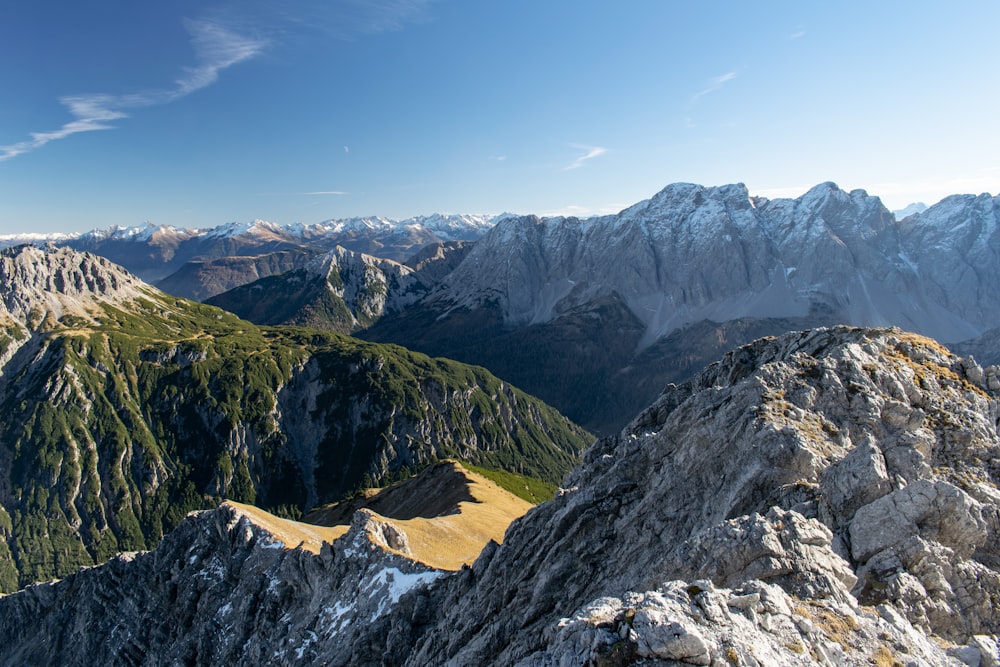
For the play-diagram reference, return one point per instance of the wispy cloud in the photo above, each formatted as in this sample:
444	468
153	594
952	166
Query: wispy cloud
344	19
799	33
713	85
216	47
338	193
590	152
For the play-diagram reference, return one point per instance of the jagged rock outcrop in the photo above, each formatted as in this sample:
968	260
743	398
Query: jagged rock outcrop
341	291
770	465
219	590
826	497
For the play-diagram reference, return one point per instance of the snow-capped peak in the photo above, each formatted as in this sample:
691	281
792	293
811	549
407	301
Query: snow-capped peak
254	228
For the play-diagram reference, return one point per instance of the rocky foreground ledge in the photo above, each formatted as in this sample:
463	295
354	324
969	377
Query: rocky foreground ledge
825	497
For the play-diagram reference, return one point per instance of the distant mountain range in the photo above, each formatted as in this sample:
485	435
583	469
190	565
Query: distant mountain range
596	315
154	253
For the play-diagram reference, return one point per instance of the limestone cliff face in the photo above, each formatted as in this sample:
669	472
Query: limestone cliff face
342	291
826	497
691	264
844	465
691	253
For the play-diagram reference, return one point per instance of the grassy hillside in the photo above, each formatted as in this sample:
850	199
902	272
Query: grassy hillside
112	428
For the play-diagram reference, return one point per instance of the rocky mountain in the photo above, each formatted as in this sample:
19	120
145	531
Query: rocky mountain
123	408
154	253
826	497
692	253
342	291
691	259
985	348
201	279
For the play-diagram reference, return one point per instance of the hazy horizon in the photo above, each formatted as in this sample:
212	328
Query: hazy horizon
194	114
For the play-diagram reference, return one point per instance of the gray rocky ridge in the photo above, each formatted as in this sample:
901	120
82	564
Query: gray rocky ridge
38	286
341	290
824	497
693	253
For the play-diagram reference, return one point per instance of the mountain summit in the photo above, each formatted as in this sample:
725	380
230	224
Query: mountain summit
692	253
44	283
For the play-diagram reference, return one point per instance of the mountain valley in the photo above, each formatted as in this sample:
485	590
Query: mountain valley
640	291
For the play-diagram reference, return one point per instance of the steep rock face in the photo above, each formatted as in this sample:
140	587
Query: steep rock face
955	245
693	257
434	262
826	497
691	253
341	291
840	464
45	282
135	407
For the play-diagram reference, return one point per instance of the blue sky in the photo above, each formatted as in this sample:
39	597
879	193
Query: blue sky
198	113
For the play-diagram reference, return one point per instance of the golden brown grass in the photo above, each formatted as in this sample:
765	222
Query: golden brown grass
446	542
293	534
450	541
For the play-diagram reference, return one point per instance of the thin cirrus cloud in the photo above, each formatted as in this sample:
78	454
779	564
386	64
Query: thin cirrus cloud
216	47
713	85
590	152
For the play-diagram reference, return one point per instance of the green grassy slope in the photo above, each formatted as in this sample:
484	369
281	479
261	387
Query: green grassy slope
112	430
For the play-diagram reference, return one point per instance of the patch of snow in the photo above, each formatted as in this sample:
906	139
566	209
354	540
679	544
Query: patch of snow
909	262
270	542
300	652
390	583
337	618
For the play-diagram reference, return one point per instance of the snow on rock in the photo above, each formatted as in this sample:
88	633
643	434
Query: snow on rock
691	253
